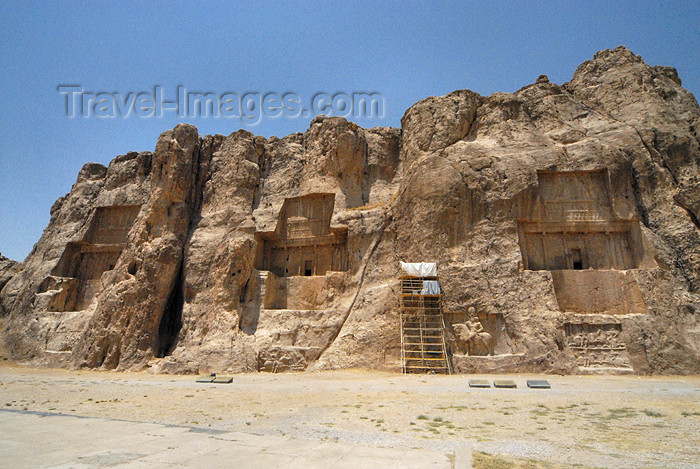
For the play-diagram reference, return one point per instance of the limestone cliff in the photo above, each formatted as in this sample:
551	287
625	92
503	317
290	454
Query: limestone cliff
8	269
563	218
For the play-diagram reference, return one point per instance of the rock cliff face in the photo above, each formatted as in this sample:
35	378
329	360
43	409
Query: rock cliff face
563	218
8	269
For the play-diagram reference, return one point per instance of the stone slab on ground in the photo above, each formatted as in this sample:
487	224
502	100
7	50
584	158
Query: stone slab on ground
538	384
40	439
504	383
205	379
223	380
479	383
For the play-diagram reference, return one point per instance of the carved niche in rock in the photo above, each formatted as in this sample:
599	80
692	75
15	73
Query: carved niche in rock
573	231
78	272
303	257
573	226
304	243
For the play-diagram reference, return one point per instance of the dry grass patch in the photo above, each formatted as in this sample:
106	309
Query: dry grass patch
488	461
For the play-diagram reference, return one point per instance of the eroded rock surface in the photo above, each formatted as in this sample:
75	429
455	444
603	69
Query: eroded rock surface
8	269
563	218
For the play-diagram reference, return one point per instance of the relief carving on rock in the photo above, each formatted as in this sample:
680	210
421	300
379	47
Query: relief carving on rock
470	336
279	359
597	345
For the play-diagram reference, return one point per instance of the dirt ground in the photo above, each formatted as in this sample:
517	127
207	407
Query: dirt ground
590	421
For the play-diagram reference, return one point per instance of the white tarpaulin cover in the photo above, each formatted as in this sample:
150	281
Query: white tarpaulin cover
430	287
420	269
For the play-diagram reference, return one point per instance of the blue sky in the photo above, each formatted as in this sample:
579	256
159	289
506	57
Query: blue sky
404	50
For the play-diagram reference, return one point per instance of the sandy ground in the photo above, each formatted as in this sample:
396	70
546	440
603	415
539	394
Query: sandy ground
593	421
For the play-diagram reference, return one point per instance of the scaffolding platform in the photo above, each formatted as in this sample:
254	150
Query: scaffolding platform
423	348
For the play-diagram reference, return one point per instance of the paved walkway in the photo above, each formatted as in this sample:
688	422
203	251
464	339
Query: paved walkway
35	439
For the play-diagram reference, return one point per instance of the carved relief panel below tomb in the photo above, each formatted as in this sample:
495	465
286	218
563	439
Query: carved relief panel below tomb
597	346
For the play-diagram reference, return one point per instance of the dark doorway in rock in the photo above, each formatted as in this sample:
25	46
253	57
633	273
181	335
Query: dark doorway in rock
308	268
171	320
577	259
